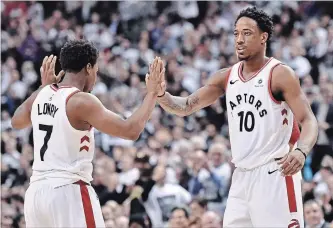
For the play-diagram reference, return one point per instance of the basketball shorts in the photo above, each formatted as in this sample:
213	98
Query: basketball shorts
72	205
263	198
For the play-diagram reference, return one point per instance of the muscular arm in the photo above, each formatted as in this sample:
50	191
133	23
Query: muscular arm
86	107
284	80
203	97
22	116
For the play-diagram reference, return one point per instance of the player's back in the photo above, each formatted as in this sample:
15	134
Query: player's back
61	152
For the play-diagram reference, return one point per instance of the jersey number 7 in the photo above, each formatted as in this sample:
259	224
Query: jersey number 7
48	129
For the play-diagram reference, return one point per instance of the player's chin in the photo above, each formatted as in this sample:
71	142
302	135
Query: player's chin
242	57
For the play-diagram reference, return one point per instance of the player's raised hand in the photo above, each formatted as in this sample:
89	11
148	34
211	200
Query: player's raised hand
162	86
155	76
47	71
292	163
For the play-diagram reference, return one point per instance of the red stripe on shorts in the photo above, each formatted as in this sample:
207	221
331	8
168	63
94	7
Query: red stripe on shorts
88	211
291	194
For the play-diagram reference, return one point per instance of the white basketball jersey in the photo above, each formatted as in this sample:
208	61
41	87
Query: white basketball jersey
259	126
60	151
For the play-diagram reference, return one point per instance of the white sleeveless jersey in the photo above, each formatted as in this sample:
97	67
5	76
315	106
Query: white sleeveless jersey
60	151
259	126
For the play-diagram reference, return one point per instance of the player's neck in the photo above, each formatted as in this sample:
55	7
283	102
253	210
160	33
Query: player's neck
254	64
73	80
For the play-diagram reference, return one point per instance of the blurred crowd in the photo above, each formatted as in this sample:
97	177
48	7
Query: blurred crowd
178	173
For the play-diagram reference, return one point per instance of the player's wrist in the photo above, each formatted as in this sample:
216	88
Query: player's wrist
161	95
301	151
152	93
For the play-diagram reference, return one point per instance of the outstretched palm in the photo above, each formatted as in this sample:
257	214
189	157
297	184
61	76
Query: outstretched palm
159	75
47	71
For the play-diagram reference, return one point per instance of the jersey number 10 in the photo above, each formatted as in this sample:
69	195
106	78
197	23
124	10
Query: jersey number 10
245	121
48	129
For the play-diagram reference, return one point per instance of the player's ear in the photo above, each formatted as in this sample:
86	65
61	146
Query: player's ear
89	69
264	37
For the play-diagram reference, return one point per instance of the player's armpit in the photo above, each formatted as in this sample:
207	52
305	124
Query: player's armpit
22	116
284	80
203	97
88	108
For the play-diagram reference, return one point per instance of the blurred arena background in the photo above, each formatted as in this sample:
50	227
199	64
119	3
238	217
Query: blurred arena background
182	162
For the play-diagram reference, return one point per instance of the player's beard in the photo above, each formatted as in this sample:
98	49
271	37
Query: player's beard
244	58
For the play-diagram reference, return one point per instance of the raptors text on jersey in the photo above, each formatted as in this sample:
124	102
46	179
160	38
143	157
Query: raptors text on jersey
259	126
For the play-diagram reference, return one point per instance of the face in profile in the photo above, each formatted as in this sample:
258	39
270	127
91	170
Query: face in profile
249	40
92	77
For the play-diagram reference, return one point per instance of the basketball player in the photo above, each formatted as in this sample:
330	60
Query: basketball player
263	95
62	116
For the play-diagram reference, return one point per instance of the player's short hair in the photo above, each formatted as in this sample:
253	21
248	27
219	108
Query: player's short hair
265	22
76	54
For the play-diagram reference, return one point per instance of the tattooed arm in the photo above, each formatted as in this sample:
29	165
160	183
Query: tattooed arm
203	97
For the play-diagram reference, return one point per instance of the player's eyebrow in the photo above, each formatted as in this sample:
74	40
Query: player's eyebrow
246	29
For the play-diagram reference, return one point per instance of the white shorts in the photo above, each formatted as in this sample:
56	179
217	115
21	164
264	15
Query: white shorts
263	198
72	205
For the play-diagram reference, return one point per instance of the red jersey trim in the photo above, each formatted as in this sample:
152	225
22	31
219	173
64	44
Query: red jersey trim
240	74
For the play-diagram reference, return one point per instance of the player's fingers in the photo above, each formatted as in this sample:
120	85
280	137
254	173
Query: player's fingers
284	167
151	67
160	68
286	162
162	75
42	68
282	160
147	78
44	61
60	75
161	64
155	63
289	167
295	170
47	64
52	65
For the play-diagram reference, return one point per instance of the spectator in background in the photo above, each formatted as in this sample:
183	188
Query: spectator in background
179	218
323	110
211	220
313	215
198	208
207	183
163	197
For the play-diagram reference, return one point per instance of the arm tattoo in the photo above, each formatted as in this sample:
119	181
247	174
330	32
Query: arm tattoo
191	102
179	105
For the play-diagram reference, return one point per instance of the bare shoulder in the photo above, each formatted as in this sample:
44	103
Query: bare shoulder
283	77
82	102
219	78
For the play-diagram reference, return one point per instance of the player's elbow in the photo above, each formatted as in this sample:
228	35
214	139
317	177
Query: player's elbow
133	131
16	123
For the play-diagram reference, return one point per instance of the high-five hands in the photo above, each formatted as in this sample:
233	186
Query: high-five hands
155	80
47	71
